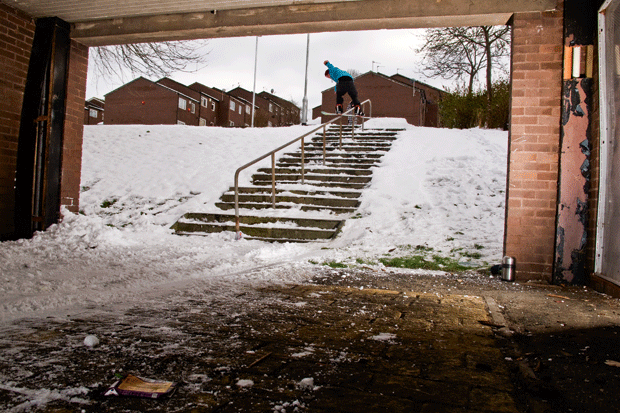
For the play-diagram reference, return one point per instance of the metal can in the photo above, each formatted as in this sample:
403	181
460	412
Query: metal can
508	268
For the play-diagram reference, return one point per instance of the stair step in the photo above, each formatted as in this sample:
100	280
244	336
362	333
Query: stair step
317	171
296	164
267	190
223	218
293	177
302	200
261	233
332	183
317	184
227	206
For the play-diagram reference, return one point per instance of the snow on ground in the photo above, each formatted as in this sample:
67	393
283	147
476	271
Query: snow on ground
440	188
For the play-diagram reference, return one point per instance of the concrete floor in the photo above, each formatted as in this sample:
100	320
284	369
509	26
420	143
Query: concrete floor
350	341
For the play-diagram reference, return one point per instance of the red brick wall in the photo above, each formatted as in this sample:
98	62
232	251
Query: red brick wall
16	35
141	102
89	120
389	98
74	127
534	142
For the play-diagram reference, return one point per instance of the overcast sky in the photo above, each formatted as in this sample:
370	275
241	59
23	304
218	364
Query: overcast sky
282	62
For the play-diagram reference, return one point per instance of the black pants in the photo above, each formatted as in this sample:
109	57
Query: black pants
346	85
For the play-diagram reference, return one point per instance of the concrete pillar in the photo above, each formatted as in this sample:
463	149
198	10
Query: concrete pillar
534	139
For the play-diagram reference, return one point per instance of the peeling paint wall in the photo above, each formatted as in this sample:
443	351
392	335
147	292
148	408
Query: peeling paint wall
574	183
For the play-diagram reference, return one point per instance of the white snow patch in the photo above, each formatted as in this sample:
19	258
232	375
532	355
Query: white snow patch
440	188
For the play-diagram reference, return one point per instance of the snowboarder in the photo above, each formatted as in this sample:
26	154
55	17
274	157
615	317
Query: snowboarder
344	84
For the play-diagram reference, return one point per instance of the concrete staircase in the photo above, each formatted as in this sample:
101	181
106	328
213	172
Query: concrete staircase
313	211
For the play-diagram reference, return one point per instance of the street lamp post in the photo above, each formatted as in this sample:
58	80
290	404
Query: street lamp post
304	105
254	89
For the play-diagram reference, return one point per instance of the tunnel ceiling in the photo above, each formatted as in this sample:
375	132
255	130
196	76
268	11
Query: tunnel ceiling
101	22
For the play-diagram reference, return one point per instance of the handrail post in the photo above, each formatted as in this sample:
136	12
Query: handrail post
324	132
303	161
273	163
273	180
237	204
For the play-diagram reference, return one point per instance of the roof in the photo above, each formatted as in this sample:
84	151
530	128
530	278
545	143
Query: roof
408	81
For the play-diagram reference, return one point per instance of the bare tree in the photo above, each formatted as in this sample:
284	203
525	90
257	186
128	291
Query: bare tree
462	52
148	59
354	72
496	43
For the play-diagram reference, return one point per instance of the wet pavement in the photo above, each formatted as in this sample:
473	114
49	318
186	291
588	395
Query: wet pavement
351	340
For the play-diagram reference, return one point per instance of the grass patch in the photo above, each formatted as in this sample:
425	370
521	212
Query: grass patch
108	203
420	262
365	262
474	255
335	264
419	248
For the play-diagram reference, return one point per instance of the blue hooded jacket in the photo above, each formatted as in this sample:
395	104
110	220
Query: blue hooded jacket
336	73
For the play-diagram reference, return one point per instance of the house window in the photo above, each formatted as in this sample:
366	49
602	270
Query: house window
204	102
247	109
232	105
213	106
193	107
180	122
202	122
182	104
93	113
231	123
270	107
240	109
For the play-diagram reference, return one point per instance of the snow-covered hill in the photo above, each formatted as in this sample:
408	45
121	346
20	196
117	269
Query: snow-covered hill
443	189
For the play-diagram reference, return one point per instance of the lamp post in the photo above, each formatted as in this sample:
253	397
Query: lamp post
254	89
304	105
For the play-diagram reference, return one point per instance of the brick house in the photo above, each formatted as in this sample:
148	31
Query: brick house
145	102
395	97
285	113
93	111
231	110
261	106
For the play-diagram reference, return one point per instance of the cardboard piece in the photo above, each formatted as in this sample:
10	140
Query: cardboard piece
130	385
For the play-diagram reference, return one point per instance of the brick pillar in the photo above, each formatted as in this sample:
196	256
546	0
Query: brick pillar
15	46
535	114
74	127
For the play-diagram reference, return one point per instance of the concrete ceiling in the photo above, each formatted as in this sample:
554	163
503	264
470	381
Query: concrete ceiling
103	22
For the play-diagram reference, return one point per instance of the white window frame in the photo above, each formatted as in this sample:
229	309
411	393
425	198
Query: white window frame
204	102
193	106
607	134
182	103
213	105
93	113
232	105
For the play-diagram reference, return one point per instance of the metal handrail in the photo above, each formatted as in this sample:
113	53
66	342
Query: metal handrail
273	159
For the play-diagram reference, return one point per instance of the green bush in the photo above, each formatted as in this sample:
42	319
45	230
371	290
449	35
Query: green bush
463	110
